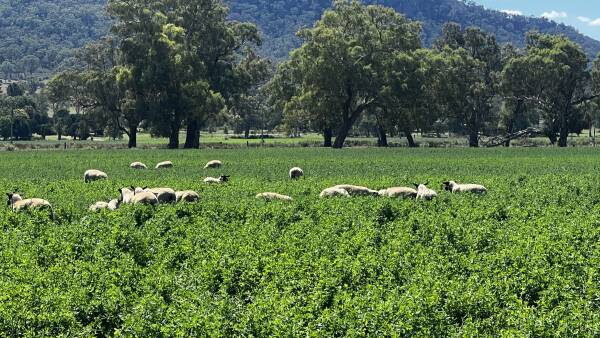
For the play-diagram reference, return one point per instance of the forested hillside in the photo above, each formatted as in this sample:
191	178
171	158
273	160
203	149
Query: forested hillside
39	37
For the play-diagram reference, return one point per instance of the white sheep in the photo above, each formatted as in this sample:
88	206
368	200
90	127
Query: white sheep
213	164
164	195
187	196
470	188
334	192
94	175
398	192
272	196
296	173
164	165
145	197
98	206
125	196
221	179
424	193
355	190
138	165
18	203
113	204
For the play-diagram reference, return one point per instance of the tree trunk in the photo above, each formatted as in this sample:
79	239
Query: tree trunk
327	137
382	140
563	137
509	130
474	138
342	134
409	138
246	132
132	137
174	138
59	136
192	137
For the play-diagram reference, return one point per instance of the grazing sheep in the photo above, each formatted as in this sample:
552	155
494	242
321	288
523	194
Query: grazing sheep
333	192
98	206
164	195
18	203
125	196
138	165
271	196
187	196
355	190
213	164
398	192
424	193
221	179
145	197
296	173
458	188
164	165
94	175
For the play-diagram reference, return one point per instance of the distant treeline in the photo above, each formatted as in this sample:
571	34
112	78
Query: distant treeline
186	65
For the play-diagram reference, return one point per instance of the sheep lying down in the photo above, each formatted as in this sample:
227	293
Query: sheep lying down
18	203
334	192
272	196
424	193
398	192
468	188
355	190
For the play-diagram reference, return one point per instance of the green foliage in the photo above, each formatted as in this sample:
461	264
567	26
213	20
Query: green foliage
522	260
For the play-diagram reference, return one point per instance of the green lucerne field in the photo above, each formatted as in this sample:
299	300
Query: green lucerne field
523	260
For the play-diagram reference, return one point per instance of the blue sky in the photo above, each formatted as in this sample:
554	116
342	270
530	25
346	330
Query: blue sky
581	14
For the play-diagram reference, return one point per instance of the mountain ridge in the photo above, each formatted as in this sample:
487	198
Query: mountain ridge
40	37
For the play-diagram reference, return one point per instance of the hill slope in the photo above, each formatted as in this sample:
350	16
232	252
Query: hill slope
39	37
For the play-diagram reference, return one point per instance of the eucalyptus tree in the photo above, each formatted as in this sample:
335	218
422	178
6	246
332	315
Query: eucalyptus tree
341	65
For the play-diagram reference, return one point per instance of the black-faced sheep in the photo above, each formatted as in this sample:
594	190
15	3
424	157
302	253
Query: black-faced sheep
221	179
469	188
94	175
272	196
424	193
296	173
18	203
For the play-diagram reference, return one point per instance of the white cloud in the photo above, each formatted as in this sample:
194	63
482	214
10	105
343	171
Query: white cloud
589	21
584	19
511	12
554	15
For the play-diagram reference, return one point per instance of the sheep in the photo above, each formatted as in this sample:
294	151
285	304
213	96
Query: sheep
94	175
271	196
354	190
164	165
187	196
296	173
113	204
138	165
145	197
424	193
458	188
213	164
125	196
221	179
18	203
398	192
98	206
164	195
334	192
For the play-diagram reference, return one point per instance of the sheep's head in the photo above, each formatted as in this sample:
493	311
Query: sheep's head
12	198
420	185
224	178
448	185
